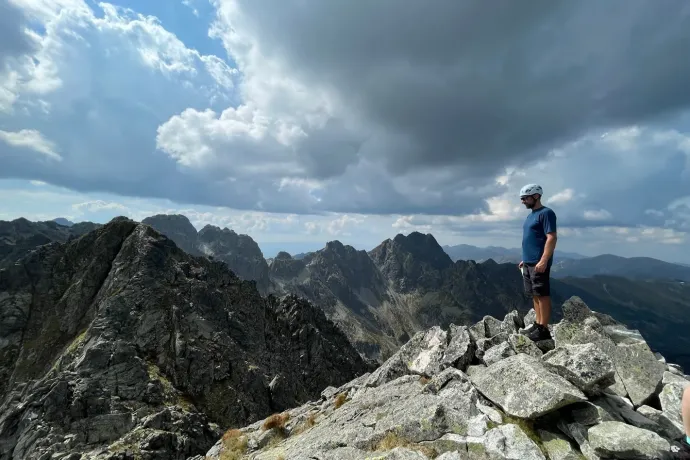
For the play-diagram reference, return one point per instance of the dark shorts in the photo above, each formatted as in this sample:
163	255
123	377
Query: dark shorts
536	283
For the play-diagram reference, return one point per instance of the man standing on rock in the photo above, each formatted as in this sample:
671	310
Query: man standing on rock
538	244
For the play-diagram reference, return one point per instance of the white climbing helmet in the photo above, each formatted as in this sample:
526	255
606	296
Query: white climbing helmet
531	189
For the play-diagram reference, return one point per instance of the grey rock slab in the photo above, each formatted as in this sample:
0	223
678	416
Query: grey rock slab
512	323
501	351
440	380
530	318
618	440
585	366
451	456
675	368
407	408
545	345
493	326
509	442
521	344
426	357
422	354
483	345
522	387
622	335
622	410
671	397
460	349
398	453
477	330
670	377
639	370
671	429
475	369
575	310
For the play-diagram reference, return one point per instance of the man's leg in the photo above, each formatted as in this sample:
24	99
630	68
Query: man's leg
545	307
542	293
527	278
537	307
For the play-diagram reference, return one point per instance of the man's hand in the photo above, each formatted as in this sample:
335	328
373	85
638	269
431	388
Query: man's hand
540	267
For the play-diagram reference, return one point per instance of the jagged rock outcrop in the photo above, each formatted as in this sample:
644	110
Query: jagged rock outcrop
178	228
21	236
121	345
240	252
429	401
284	267
412	261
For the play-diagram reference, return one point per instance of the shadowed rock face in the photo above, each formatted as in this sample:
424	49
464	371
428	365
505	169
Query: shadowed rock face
240	252
178	228
20	236
120	341
440	396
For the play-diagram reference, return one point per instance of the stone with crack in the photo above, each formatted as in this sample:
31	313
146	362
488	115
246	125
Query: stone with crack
585	366
523	387
618	440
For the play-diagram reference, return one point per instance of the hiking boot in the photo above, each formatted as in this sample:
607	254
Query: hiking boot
539	333
528	331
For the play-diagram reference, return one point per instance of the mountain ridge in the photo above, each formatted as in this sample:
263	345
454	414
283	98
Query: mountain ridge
119	341
398	292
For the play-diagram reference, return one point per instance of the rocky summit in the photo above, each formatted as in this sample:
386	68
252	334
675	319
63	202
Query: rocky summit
485	392
119	345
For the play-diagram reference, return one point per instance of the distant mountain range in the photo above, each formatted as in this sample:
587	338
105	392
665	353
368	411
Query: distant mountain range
20	236
642	268
573	264
381	297
497	253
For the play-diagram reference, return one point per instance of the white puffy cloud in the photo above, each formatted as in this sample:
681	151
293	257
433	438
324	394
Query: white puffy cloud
33	140
97	205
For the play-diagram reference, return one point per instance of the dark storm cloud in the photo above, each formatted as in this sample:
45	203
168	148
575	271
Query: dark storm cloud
446	93
482	84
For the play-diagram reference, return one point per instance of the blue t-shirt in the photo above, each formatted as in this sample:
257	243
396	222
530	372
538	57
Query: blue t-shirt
537	224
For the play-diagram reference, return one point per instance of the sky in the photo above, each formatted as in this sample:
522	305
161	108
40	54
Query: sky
303	121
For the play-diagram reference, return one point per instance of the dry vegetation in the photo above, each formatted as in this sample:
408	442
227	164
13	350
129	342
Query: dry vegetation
234	445
309	422
340	400
276	421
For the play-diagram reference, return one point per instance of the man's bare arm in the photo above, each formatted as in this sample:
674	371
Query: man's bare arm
551	239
